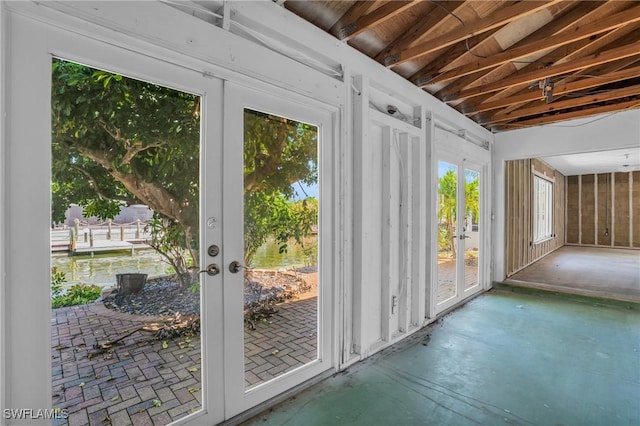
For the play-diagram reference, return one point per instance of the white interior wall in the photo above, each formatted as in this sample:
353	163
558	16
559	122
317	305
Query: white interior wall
592	134
367	196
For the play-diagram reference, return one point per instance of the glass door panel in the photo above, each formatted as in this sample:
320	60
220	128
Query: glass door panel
278	315
447	218
125	190
471	239
281	203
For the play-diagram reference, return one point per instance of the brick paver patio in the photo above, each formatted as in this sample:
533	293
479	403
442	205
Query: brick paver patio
140	382
288	342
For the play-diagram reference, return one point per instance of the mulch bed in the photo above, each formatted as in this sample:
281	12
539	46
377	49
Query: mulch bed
164	296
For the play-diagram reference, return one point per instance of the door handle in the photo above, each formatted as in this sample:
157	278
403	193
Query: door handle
234	267
464	237
212	270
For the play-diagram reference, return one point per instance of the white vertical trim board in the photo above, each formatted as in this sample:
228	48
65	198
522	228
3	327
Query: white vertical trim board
3	100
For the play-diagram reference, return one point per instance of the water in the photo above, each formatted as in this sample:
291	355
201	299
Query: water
101	269
268	257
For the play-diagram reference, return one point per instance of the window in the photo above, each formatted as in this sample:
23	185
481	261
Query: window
542	209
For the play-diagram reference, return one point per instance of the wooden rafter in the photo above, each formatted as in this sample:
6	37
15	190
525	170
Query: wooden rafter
487	58
587	83
343	25
566	104
497	19
420	30
582	112
358	24
576	33
632	49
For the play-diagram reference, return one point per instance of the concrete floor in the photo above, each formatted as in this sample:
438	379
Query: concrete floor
589	271
503	358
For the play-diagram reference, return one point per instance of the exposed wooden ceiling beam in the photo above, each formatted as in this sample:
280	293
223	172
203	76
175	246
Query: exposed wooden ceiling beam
420	30
358	24
566	104
582	13
577	50
632	49
583	112
346	21
571	35
496	19
584	84
423	76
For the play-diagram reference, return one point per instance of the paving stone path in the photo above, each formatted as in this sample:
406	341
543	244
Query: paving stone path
142	382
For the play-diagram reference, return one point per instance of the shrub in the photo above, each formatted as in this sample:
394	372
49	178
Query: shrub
57	279
78	294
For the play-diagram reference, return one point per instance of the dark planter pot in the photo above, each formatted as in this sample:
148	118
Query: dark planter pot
130	283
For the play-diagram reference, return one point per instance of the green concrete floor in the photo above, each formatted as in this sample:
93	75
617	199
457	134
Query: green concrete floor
503	358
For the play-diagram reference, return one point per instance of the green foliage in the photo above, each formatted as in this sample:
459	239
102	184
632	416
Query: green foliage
116	140
57	279
78	294
273	215
447	207
278	153
172	241
310	252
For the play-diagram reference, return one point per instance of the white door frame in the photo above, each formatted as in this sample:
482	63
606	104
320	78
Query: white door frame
460	152
28	210
278	102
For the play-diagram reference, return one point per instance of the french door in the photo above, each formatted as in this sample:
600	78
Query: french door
275	166
459	230
238	369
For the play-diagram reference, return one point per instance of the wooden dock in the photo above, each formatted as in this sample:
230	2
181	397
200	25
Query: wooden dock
98	240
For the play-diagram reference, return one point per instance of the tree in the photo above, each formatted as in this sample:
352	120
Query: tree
117	140
447	205
278	154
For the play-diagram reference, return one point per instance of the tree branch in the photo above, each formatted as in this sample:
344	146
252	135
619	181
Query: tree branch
132	149
153	195
95	185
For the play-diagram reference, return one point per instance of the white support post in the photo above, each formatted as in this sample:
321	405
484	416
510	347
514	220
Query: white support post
360	338
405	259
421	170
387	265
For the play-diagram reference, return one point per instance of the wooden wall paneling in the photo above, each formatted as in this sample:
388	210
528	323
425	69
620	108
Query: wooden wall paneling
621	205
580	209
595	208
526	214
587	210
572	210
612	191
558	209
511	215
635	208
630	209
508	182
522	235
604	209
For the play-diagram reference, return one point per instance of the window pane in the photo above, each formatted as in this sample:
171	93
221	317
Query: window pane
543	208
